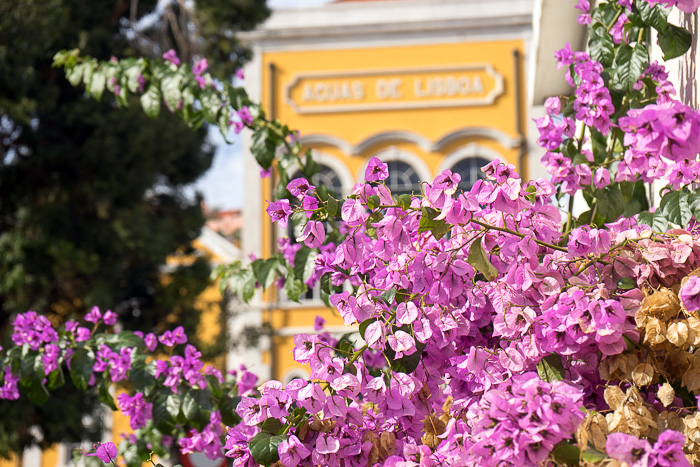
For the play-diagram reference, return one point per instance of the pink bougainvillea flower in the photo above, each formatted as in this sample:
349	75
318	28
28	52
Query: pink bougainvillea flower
106	452
280	211
690	294
376	170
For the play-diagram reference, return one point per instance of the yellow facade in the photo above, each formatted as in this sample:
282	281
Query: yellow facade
427	101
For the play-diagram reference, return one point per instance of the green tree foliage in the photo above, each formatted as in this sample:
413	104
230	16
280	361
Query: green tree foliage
91	197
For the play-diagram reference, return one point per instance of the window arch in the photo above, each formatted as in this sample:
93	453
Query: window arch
469	169
468	161
406	170
403	178
325	176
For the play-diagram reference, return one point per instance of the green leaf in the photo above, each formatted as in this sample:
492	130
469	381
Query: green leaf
170	86
197	406
373	201
272	426
264	271
389	295
428	223
81	368
694	203
551	368
132	74
263	448
656	220
404	201
161	416
150	101
294	288
479	261
654	16
364	324
173	404
75	74
593	456
263	146
304	263
326	283
56	379
630	63
602	46
211	104
142	379
227	407
97	84
105	396
407	363
675	207
37	392
223	121
248	289
626	283
674	41
610	202
370	229
566	453
333	206
214	386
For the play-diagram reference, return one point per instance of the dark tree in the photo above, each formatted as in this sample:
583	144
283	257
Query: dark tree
92	197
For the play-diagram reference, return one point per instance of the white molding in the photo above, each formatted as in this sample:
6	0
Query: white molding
393	153
219	246
371	20
478	132
294	330
466	152
488	99
393	136
402	136
554	24
294	374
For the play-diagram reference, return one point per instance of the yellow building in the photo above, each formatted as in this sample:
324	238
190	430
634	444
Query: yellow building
422	85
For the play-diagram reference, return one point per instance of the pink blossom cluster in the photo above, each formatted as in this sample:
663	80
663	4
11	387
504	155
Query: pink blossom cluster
593	103
666	452
686	6
657	133
207	441
476	339
33	329
136	408
118	363
518	423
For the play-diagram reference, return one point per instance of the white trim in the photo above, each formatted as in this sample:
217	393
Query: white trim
478	132
488	99
554	24
294	330
294	374
466	152
402	136
219	246
393	153
336	21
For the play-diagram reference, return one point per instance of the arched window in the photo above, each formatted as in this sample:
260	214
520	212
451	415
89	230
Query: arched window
403	178
327	177
406	170
469	169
